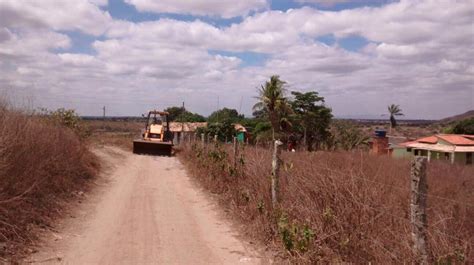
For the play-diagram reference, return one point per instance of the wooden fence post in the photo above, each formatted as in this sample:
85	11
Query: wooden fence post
203	143
419	189
215	138
276	173
235	152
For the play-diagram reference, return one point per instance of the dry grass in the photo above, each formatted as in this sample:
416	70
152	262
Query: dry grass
41	166
341	207
116	133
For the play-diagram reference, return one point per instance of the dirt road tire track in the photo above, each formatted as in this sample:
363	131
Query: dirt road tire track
149	212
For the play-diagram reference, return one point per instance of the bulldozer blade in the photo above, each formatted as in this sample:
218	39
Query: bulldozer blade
152	148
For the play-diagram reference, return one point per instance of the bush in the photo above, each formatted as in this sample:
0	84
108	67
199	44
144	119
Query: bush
67	118
464	127
224	130
340	207
41	165
346	136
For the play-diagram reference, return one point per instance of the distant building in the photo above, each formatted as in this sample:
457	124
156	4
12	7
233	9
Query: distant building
379	144
241	132
183	130
451	147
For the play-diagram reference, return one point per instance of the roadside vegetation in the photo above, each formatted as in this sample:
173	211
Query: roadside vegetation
339	206
117	132
465	126
44	162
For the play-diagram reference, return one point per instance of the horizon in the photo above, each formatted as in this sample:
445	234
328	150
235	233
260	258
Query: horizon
362	118
132	55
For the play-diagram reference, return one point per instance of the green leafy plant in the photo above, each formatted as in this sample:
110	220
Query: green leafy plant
311	118
295	237
67	118
261	206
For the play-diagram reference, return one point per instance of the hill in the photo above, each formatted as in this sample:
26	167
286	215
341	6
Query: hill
466	115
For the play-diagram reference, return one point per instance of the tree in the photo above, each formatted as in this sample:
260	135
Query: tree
225	114
174	112
262	131
394	110
180	114
272	102
345	135
224	130
312	116
67	118
464	127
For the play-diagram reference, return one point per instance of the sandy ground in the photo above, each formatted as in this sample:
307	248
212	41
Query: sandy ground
146	211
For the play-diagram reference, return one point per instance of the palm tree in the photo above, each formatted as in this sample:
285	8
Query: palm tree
272	102
394	110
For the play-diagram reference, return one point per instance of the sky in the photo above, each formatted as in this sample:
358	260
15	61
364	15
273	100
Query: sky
135	55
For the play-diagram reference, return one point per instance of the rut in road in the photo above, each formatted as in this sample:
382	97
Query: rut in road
148	213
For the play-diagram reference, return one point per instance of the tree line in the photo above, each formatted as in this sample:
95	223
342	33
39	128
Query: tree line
296	118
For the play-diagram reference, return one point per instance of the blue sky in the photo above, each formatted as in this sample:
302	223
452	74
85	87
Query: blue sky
131	55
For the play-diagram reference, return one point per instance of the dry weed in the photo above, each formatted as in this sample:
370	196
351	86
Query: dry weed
340	206
41	165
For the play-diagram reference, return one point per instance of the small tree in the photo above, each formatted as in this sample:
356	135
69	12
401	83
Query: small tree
346	136
394	110
180	114
224	130
67	118
312	116
464	127
225	114
272	102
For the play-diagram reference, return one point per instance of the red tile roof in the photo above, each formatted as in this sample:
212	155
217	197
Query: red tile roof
429	140
407	143
456	139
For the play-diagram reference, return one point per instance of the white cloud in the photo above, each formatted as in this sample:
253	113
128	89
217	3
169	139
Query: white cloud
58	15
99	2
325	2
77	59
419	55
329	3
222	8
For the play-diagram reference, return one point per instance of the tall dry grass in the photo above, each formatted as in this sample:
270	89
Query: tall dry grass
340	207
41	165
116	133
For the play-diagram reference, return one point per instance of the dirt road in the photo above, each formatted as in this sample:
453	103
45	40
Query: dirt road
147	212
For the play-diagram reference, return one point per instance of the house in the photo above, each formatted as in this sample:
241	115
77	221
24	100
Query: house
184	130
455	148
241	132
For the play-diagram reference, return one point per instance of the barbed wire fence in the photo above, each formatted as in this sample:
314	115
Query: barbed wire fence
419	196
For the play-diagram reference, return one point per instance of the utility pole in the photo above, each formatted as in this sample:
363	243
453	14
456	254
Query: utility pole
240	105
182	125
217	109
103	118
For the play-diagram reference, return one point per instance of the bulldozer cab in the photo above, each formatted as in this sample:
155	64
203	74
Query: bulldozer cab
154	127
157	126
